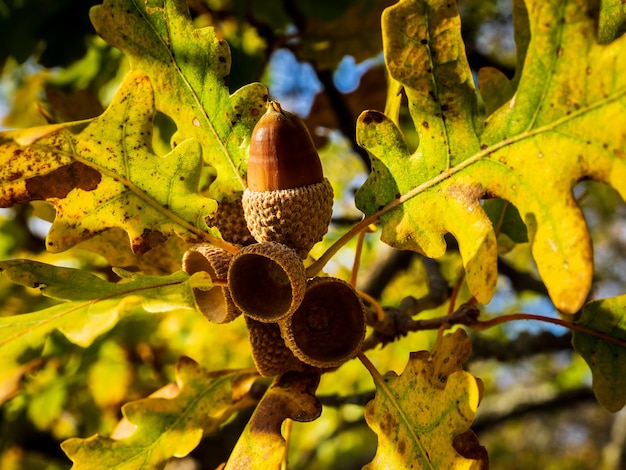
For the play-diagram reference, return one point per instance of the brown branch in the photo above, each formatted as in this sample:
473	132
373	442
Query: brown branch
399	322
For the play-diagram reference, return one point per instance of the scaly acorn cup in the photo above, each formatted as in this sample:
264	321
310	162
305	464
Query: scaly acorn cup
229	220
287	200
271	356
215	304
328	328
267	281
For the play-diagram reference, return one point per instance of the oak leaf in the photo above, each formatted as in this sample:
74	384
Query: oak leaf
102	173
419	414
162	428
531	151
606	360
261	445
189	68
91	307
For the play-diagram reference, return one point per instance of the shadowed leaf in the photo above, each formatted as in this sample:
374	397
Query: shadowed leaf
606	360
261	446
93	306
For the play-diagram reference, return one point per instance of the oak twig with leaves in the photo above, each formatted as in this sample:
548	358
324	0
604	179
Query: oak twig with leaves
495	168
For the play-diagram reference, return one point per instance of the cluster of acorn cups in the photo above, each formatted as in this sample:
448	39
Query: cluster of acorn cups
294	322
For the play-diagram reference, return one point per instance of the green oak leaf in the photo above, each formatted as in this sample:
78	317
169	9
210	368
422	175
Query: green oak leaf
605	359
530	151
189	68
102	173
91	307
162	427
419	414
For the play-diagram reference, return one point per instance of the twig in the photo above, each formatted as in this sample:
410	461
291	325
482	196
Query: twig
399	322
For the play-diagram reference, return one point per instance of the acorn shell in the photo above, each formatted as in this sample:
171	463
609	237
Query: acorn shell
282	153
329	326
215	304
271	356
298	217
267	281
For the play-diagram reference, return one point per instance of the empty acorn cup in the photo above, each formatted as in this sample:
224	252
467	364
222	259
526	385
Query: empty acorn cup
215	304
271	356
329	326
267	281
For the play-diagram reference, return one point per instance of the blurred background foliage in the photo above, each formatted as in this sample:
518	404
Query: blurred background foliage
323	60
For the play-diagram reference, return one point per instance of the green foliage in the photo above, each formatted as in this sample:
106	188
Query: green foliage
159	428
605	358
190	68
136	182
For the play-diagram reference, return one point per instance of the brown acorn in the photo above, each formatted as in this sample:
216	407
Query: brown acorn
328	328
215	304
287	200
271	356
267	281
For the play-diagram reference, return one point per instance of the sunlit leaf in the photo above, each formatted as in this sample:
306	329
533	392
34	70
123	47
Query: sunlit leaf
418	414
167	427
531	151
189	68
93	306
102	173
605	359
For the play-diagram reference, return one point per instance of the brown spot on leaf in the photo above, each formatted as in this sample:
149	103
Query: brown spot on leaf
148	239
58	183
467	445
373	116
401	447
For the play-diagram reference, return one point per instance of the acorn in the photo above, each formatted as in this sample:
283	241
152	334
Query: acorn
328	328
287	200
229	220
271	356
267	281
215	304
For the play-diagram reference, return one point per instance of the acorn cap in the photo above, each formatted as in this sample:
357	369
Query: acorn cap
267	281
282	153
271	356
215	304
329	326
297	217
229	220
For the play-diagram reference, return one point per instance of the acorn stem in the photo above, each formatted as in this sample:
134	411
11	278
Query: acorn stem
319	264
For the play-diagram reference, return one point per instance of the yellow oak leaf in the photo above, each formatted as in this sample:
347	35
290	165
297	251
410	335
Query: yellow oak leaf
420	414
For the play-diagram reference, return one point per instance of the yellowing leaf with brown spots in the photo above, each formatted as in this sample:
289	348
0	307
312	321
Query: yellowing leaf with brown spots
422	417
262	446
102	173
564	122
